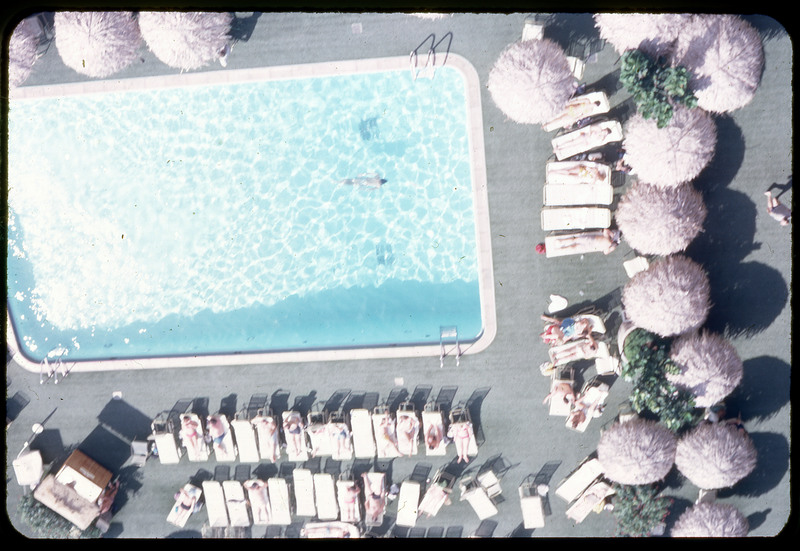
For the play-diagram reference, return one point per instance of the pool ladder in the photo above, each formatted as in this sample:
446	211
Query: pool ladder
448	332
52	370
429	69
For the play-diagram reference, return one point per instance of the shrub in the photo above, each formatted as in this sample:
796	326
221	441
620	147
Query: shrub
46	523
639	511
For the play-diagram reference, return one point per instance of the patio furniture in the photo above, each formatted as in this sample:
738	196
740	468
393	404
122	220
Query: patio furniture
577	172
216	508
408	503
586	138
581	478
238	513
591	499
363	438
559	195
559	406
531	503
246	442
325	497
579	107
279	501
304	493
433	423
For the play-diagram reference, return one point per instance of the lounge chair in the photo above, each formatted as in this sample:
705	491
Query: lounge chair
318	436
216	507
575	218
560	407
180	513
192	438
577	350
224	448
588	405
347	497
279	501
581	478
532	505
374	488
165	436
586	138
559	195
408	503
478	498
437	494
363	438
238	513
563	244
578	108
304	493
433	423
268	435
329	530
339	437
591	499
258	496
577	172
407	430
246	442
596	323
295	441
325	497
385	431
461	424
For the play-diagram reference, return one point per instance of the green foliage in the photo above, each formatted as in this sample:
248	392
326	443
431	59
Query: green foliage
654	86
638	509
46	523
647	366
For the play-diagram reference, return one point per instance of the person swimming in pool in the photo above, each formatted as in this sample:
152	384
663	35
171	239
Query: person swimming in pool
371	180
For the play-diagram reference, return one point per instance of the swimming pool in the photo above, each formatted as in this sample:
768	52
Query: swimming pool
321	211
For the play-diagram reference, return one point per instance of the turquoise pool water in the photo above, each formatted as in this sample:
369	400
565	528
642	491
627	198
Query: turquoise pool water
212	219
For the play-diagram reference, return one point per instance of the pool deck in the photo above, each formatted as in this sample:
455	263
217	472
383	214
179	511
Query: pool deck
747	255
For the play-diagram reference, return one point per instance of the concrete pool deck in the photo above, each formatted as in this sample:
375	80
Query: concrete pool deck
747	255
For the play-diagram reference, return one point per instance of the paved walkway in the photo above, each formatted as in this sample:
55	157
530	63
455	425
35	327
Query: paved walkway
748	257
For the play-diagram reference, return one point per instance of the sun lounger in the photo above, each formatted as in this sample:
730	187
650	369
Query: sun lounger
408	503
304	493
437	494
574	485
339	437
558	406
165	438
201	451
329	530
532	506
225	450
559	195
178	515
385	433
478	498
215	504
586	138
348	501
577	172
258	497
407	432
246	442
363	438
555	244
374	483
297	451
434	421
325	497
578	108
279	501
317	432
590	402
575	218
592	498
238	514
460	421
579	346
268	436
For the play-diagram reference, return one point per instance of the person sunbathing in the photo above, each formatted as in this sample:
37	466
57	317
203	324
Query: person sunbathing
387	436
576	109
259	504
350	503
270	429
604	240
217	431
106	499
562	331
191	434
592	136
433	436
579	351
407	427
563	392
293	429
374	500
582	170
340	435
461	434
185	505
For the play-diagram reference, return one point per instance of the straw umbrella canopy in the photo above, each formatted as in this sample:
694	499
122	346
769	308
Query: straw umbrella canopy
715	455
186	40
531	81
97	44
23	47
710	366
725	56
660	221
651	32
711	520
675	154
669	298
637	452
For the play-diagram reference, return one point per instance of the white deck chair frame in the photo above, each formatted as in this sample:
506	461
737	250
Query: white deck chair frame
571	144
581	478
304	493
363	437
246	442
238	512
408	503
325	497
216	508
575	218
560	195
279	501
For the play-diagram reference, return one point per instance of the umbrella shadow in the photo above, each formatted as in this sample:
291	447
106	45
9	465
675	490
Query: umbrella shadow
768	27
242	27
106	448
758	397
678	506
772	464
728	156
125	420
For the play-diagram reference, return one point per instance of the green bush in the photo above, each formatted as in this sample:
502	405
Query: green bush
655	86
46	523
639	510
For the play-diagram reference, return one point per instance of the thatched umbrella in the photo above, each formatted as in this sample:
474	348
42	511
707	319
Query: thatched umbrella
23	47
660	221
97	44
710	366
669	298
715	455
637	452
711	520
651	32
675	154
186	40
531	81
725	56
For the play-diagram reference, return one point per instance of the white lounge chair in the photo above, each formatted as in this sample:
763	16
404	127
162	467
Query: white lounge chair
433	421
329	530
246	442
374	484
279	501
635	265
408	504
576	482
532	506
339	437
225	449
461	424
592	498
559	195
532	30
325	497
166	441
579	107
385	433
238	513
200	451
268	435
349	509
317	432
577	172
295	441
581	351
560	407
437	495
29	468
574	243
586	138
590	403
575	218
478	498
363	438
215	504
304	493
407	432
258	496
179	513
